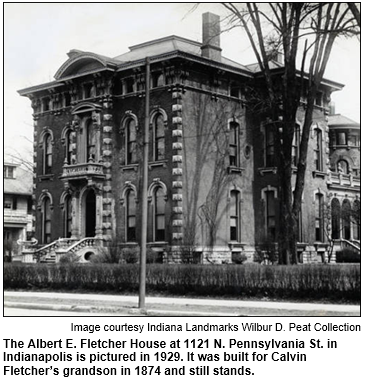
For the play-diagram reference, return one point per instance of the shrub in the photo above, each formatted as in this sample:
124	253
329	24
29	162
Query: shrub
347	256
239	258
69	258
153	256
130	255
314	282
267	253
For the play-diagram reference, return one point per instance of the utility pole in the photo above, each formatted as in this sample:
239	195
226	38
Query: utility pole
142	260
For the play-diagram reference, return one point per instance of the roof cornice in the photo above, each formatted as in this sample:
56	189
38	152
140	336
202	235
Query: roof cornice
187	56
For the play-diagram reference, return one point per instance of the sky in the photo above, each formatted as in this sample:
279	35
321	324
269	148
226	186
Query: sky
37	37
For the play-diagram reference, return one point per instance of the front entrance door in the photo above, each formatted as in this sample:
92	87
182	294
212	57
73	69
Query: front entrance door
90	214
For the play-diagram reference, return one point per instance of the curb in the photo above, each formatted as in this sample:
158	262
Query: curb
116	310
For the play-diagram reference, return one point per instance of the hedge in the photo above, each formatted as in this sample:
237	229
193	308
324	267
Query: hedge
315	282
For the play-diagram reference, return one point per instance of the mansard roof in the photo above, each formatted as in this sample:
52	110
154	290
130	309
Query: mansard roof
82	63
167	45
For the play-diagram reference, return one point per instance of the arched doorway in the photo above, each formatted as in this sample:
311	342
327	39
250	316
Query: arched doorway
90	213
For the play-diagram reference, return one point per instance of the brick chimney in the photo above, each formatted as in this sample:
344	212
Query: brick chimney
211	37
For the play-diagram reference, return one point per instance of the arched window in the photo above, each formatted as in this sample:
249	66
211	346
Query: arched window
159	138
346	219
131	216
319	217
343	167
234	211
356	219
159	214
90	141
269	146
46	220
335	218
47	154
67	216
131	142
233	144
270	215
68	146
318	157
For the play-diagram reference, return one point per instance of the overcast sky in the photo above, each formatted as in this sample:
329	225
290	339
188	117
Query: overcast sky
38	36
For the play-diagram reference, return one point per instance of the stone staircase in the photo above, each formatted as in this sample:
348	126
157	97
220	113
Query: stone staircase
54	251
353	245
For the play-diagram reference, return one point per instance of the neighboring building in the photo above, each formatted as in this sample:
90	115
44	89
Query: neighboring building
211	184
344	181
18	185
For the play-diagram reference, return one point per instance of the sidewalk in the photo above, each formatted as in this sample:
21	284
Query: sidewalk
167	306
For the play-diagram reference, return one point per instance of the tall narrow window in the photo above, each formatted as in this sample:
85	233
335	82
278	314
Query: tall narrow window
296	142
318	157
233	144
131	216
234	216
319	217
68	146
269	147
159	138
131	142
335	218
90	141
67	215
341	138
46	220
356	219
346	218
270	215
47	154
159	214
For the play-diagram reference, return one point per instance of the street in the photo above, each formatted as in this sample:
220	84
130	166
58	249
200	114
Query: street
34	312
63	304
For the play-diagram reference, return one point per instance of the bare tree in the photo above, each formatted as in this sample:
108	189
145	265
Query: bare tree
211	145
304	33
22	157
355	11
